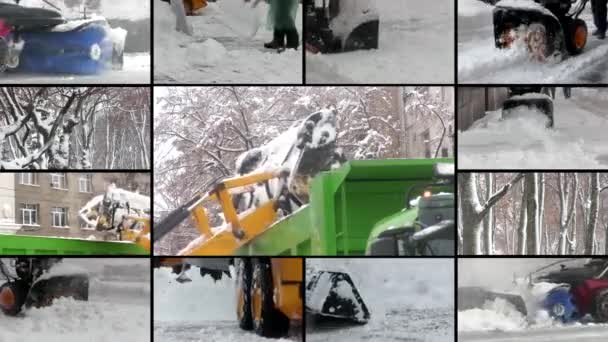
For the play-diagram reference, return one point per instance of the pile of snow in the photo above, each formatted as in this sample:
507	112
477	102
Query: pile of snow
202	299
523	141
227	47
495	315
116	311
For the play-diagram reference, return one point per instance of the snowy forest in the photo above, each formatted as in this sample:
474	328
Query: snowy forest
532	213
200	132
75	128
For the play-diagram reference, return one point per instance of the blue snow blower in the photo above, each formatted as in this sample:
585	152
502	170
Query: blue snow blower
42	41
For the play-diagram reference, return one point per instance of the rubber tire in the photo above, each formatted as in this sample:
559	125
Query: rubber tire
570	30
600	306
20	289
272	322
3	55
244	289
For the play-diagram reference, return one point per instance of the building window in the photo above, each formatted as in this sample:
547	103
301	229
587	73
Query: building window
29	214
28	178
85	183
58	181
59	217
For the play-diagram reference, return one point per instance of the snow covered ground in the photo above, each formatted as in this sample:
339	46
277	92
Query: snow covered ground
416	46
408	299
578	140
227	47
136	70
499	321
480	62
117	310
200	310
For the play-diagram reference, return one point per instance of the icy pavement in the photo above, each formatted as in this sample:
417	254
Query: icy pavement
116	311
405	324
578	140
209	331
416	46
408	299
227	47
566	334
136	70
479	61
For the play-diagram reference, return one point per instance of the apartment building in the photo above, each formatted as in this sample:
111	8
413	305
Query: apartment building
47	204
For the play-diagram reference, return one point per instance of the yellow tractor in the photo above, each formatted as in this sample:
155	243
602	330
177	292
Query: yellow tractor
269	290
191	6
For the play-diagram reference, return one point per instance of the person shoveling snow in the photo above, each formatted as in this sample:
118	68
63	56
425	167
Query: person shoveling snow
281	18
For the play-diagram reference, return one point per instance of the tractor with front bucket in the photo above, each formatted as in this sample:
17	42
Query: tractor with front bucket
30	283
547	28
341	25
425	226
578	291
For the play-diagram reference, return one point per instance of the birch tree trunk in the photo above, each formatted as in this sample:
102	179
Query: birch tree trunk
531	190
567	200
594	196
489	219
521	229
541	210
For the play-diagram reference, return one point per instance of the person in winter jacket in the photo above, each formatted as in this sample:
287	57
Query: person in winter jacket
282	19
600	13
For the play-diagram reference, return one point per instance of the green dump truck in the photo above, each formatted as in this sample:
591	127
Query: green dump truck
37	245
366	203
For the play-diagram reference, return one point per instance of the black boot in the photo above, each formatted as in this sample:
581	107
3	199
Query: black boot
293	39
278	40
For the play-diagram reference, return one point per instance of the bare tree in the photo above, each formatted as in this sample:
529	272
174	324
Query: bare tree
592	203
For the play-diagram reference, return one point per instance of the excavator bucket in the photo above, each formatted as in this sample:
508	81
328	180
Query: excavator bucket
44	291
333	295
476	297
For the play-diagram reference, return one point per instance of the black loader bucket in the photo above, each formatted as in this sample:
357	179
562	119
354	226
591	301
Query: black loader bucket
475	298
44	291
334	295
538	102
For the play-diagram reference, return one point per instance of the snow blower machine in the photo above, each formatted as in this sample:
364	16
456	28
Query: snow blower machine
578	291
41	40
547	27
341	25
528	98
28	284
271	181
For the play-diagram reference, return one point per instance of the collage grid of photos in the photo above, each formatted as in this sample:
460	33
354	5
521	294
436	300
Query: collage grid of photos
303	170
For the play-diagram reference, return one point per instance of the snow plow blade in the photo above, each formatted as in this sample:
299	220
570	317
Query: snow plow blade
475	298
333	295
44	291
540	30
541	103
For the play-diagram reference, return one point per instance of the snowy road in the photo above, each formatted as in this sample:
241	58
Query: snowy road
407	302
416	46
409	325
116	311
566	334
210	331
136	70
227	47
480	62
577	141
